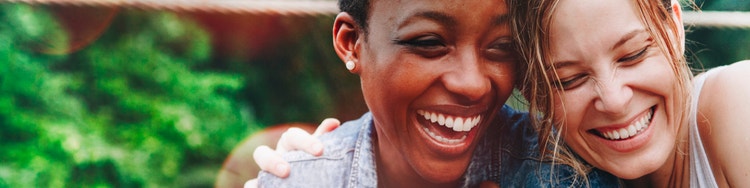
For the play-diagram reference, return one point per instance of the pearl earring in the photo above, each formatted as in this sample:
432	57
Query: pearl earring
350	65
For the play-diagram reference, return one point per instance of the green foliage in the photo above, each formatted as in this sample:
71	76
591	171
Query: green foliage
723	5
134	109
711	47
30	95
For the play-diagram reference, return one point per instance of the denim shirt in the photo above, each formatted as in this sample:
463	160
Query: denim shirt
507	154
347	161
515	159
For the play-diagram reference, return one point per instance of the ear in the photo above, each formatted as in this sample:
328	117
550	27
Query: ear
677	18
346	39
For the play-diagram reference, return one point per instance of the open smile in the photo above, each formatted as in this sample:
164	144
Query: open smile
635	128
628	136
445	128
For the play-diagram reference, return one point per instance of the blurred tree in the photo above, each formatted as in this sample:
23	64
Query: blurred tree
723	5
292	72
135	109
711	47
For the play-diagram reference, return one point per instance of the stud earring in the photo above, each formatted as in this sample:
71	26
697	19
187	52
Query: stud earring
350	65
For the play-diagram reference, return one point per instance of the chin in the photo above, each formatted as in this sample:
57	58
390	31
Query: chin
632	174
446	173
641	164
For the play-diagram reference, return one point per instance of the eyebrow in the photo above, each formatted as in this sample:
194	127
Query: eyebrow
448	20
561	64
500	20
627	37
430	15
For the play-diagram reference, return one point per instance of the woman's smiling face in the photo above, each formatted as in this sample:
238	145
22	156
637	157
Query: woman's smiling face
618	90
432	73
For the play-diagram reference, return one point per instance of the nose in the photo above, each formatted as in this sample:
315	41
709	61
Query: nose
468	80
613	96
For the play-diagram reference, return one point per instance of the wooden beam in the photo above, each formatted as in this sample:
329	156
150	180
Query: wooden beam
281	7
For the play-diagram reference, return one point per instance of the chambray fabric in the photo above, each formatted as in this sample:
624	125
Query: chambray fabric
347	160
517	162
701	175
507	155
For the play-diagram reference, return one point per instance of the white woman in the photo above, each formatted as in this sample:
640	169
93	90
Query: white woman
611	78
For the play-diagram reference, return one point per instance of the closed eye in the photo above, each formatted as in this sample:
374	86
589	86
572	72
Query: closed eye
634	56
428	46
570	82
501	50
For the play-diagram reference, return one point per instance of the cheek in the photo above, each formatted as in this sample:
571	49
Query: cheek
569	108
390	71
504	77
391	85
658	77
667	89
570	115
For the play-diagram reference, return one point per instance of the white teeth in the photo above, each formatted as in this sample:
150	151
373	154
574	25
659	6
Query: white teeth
624	134
631	130
458	124
449	122
467	122
615	135
444	140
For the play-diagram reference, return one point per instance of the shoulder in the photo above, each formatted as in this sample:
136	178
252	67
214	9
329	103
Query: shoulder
334	166
726	92
508	115
535	173
516	133
728	77
339	142
724	113
514	128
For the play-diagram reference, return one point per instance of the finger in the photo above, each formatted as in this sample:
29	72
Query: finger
298	139
328	125
271	161
253	183
489	184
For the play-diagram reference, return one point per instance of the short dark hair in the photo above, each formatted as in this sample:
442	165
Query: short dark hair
358	9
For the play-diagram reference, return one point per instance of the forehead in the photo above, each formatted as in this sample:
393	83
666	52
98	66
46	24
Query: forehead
581	17
591	24
594	16
398	11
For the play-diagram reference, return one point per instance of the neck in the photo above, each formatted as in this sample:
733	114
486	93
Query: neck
394	170
676	170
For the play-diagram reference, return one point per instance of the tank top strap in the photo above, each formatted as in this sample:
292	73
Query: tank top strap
701	174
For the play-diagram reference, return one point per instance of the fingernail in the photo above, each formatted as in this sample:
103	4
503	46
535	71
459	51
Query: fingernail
317	147
280	167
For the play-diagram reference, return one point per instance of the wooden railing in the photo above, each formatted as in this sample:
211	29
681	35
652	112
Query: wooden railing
719	19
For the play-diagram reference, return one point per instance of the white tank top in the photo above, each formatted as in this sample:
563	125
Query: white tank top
700	170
